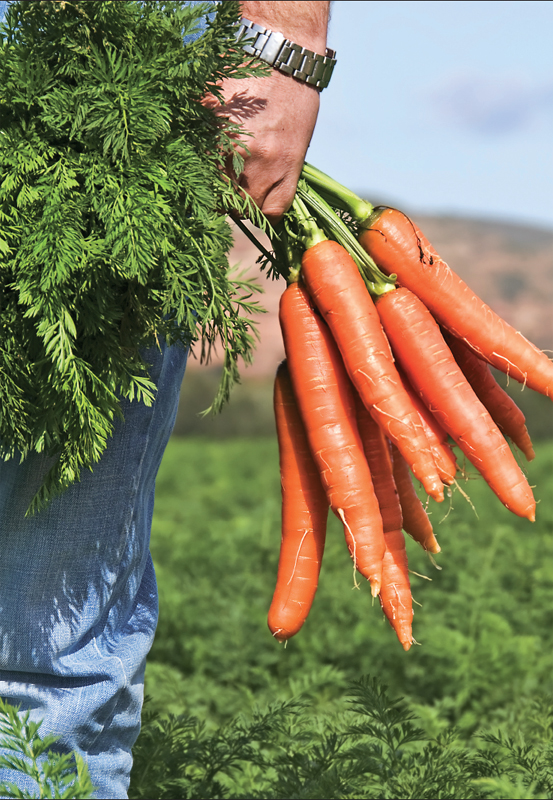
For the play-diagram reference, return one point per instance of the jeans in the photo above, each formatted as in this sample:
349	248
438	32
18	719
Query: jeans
78	599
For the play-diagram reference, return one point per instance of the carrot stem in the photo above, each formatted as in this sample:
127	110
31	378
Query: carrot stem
254	240
336	194
288	250
311	233
376	281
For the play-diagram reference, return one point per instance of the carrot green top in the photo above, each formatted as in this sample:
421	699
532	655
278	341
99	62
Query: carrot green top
111	230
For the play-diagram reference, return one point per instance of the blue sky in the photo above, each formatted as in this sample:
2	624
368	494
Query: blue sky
443	107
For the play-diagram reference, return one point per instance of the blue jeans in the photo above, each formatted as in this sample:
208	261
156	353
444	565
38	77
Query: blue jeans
78	598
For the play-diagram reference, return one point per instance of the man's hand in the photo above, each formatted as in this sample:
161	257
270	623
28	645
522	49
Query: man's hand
279	111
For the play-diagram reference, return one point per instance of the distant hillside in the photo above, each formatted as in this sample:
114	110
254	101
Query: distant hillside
509	266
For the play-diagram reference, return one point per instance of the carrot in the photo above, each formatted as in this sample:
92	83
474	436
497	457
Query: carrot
377	453
443	455
503	410
304	516
398	246
420	348
333	281
325	400
395	593
415	518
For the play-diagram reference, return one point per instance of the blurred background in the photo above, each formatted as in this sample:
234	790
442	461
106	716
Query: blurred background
444	110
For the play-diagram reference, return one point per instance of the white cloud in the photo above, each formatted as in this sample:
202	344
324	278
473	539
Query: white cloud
491	106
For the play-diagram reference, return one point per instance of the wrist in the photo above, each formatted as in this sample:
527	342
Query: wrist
276	48
305	23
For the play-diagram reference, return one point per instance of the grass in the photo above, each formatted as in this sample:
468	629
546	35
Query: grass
484	626
234	714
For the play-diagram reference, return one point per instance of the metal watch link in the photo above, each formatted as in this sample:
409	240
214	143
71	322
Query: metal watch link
282	54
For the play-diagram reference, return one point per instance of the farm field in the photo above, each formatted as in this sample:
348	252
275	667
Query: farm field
485	624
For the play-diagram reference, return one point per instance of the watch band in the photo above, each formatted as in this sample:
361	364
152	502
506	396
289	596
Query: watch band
282	54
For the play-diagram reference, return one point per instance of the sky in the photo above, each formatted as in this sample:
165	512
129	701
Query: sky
442	107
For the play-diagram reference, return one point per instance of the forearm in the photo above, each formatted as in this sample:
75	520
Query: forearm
277	111
303	22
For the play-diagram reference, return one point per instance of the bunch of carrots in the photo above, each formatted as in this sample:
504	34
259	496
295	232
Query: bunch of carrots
387	361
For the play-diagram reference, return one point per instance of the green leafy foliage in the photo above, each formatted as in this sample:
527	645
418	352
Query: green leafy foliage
485	663
111	226
373	750
484	625
176	757
51	773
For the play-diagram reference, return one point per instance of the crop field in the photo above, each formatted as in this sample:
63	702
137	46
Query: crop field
484	625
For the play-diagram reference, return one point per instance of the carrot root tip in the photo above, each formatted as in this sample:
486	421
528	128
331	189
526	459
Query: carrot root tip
419	575
281	635
375	587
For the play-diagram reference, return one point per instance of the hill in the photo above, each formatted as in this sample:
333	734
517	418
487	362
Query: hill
509	265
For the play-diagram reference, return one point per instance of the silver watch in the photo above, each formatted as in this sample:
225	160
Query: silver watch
282	54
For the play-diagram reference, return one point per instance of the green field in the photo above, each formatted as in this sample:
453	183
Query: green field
485	624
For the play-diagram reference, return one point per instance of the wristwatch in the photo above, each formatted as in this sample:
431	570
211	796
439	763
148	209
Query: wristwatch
282	54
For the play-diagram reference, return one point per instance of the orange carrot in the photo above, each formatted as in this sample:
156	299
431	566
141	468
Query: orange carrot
444	457
398	246
325	400
379	459
304	516
415	518
395	594
503	410
421	350
333	281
